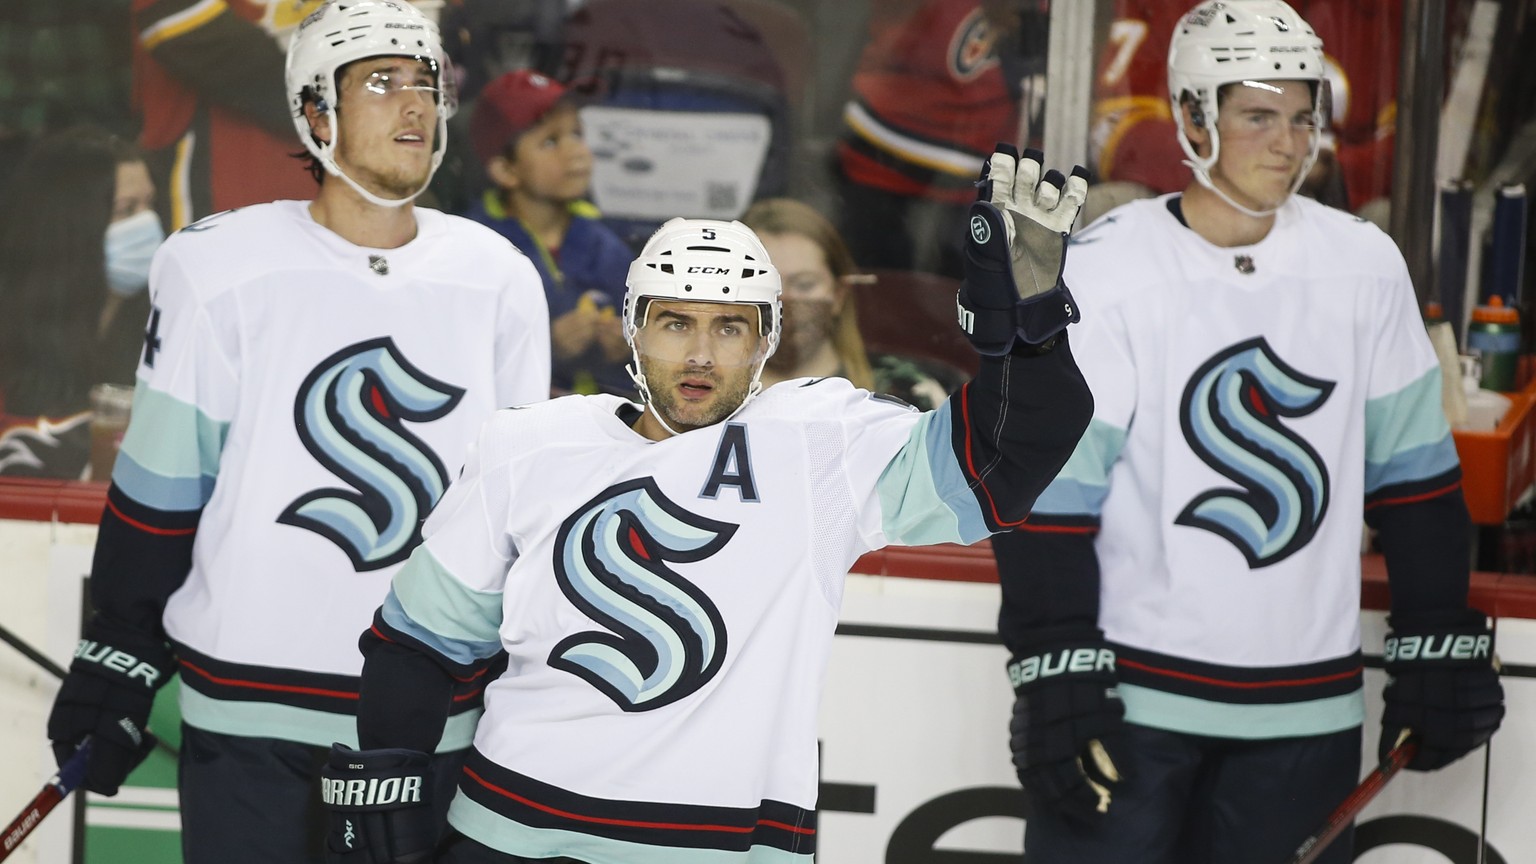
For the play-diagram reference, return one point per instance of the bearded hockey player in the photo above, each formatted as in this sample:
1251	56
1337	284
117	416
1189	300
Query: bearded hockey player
666	576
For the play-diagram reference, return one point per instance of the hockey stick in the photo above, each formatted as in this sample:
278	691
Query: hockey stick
1345	813
55	790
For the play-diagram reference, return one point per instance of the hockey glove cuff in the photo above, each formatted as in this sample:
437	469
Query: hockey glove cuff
107	695
1442	686
380	806
1015	250
1067	723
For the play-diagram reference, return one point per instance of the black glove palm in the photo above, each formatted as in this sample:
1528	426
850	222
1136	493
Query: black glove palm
1067	720
1442	687
107	695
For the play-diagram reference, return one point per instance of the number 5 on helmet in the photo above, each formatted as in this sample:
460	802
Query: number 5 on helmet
1014	253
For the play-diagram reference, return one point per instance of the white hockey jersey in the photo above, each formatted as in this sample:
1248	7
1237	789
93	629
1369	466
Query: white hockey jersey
668	608
311	399
1249	403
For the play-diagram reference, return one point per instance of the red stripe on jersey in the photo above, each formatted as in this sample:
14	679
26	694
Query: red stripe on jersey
1410	499
632	823
970	461
149	529
257	685
1240	685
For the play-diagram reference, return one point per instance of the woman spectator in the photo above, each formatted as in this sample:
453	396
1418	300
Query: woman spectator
77	231
821	330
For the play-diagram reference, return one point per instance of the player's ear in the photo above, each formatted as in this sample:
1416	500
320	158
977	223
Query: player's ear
319	121
1195	128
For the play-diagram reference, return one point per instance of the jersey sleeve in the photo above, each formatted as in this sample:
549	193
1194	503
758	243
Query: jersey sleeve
522	338
184	400
1047	566
439	625
974	466
1413	494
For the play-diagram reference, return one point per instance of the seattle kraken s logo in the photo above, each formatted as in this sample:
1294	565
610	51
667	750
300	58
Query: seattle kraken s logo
1231	415
611	561
349	413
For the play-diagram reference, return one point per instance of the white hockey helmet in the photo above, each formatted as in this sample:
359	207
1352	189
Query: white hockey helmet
345	31
704	261
1223	42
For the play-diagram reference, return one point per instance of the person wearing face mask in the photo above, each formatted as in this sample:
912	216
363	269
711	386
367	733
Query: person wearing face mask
74	261
821	329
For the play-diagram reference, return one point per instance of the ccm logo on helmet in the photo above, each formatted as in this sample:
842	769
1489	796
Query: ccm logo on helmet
1066	660
118	661
1463	646
372	792
710	271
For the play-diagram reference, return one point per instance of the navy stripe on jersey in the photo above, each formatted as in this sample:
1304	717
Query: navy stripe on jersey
315	691
527	801
1268	685
142	556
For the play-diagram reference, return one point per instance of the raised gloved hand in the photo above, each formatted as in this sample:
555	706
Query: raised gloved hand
107	695
381	807
1014	252
1442	686
1067	720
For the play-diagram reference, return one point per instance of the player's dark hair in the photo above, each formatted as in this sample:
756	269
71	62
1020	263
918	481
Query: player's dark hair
53	272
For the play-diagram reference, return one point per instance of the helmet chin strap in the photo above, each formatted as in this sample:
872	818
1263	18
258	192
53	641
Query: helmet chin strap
328	160
1201	169
645	391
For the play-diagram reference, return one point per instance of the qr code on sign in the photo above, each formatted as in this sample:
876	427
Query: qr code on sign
720	196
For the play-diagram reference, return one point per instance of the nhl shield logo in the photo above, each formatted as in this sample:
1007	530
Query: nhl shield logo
1244	264
377	264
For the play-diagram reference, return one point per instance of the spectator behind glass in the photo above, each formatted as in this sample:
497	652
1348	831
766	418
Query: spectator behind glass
938	84
821	331
76	237
208	78
527	133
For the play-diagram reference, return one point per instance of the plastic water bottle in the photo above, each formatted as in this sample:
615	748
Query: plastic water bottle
1495	335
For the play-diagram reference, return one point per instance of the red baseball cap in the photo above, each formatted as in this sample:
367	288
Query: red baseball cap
509	106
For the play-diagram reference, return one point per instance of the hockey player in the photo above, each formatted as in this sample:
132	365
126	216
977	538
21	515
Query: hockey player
311	377
666	576
1262	382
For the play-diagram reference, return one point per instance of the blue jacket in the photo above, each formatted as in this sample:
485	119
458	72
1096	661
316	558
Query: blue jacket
592	259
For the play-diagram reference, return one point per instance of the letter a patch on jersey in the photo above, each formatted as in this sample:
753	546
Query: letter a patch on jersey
1231	414
665	638
350	414
733	465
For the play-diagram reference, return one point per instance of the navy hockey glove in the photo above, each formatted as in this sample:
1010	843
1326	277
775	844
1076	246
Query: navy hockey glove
1014	253
1067	721
381	808
107	695
1442	686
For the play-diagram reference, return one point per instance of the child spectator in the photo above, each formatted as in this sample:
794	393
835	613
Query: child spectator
527	133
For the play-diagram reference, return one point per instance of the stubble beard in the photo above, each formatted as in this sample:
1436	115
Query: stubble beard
684	416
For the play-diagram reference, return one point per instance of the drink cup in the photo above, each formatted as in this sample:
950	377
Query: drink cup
110	406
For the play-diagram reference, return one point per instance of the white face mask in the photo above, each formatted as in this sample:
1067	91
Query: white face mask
130	245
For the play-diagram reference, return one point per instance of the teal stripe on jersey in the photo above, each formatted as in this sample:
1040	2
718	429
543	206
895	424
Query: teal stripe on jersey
427	602
304	725
1412	466
515	838
1147	707
1405	421
170	454
925	481
1083	483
